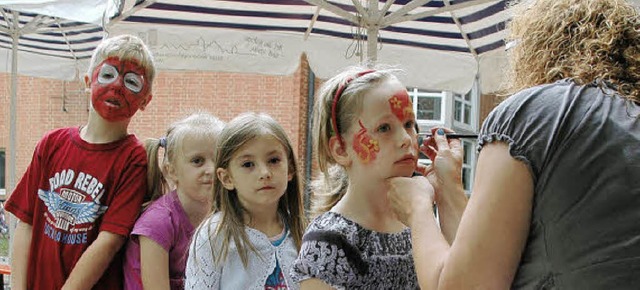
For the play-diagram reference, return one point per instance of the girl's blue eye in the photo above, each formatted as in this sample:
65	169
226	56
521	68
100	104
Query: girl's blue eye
410	124
274	160
197	160
247	164
384	128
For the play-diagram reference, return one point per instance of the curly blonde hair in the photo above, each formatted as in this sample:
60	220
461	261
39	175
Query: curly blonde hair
585	40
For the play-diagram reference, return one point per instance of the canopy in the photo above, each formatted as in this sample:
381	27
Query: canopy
441	44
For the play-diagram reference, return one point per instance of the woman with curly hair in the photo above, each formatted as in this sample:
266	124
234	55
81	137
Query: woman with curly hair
556	199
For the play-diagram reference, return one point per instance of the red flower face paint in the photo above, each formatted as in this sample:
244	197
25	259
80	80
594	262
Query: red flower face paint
118	89
401	105
364	145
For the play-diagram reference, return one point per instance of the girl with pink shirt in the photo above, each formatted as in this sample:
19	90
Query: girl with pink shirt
157	251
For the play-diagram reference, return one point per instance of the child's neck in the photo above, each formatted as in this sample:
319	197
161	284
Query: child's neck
266	219
196	211
366	203
100	131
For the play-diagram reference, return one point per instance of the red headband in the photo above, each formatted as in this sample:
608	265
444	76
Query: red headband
336	99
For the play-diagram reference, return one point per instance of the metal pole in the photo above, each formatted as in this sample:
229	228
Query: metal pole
372	34
15	36
12	104
311	83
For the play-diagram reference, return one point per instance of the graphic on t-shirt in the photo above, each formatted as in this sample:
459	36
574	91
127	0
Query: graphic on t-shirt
73	205
276	280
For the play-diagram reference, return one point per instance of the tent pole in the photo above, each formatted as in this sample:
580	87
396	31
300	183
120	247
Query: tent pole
12	107
10	186
372	33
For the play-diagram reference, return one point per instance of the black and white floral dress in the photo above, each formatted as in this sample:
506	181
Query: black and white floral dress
345	255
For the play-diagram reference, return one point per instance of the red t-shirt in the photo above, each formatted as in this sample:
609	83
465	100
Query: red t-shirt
70	192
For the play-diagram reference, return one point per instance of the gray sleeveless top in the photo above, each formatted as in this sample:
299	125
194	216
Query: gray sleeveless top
581	146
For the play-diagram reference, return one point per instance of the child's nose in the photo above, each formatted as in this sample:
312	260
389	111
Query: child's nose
265	172
209	167
406	139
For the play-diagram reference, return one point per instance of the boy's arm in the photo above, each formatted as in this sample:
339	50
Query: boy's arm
20	255
94	261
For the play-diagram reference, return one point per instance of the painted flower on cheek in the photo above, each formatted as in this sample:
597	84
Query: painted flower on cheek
364	145
401	105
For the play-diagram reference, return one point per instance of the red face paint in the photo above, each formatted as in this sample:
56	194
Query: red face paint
364	146
401	105
118	89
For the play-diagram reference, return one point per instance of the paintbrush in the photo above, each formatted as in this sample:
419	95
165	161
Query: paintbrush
422	136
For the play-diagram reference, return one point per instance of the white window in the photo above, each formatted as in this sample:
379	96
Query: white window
463	110
429	106
468	163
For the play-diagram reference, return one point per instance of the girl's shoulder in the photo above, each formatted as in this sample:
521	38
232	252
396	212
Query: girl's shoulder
160	208
333	221
334	228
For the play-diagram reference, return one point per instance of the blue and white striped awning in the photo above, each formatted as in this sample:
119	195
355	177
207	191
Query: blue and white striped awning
53	38
442	44
47	46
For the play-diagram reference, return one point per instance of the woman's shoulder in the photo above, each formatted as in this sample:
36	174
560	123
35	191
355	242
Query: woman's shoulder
554	96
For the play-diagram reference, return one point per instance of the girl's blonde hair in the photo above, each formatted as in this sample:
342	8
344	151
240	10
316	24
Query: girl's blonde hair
124	47
585	40
195	125
355	83
231	227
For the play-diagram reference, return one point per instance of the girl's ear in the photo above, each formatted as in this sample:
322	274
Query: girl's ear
225	178
339	152
171	172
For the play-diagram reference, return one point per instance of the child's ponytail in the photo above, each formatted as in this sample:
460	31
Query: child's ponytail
156	183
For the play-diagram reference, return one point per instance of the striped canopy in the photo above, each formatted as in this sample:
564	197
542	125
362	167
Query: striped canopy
441	44
53	38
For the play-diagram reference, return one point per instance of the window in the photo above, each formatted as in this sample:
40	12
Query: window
463	109
468	162
2	173
429	106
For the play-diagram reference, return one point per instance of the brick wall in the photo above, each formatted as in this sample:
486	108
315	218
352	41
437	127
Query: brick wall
45	104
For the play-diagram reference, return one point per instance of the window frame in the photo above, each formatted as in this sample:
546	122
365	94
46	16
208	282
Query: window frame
415	93
3	174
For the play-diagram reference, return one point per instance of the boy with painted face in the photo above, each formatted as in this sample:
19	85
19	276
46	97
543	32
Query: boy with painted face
84	187
364	133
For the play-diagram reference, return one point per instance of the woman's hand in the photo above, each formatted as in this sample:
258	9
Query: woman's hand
410	198
446	157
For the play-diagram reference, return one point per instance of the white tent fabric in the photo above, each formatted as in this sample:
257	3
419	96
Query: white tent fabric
49	44
88	11
441	44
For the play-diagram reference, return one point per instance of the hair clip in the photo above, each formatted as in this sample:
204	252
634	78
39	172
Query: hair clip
162	142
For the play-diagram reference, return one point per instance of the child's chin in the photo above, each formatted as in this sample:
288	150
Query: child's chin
405	173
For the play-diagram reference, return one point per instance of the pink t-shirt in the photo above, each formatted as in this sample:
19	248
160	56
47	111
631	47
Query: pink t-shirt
166	223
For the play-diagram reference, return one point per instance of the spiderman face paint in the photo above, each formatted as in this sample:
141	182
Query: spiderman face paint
364	145
118	89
